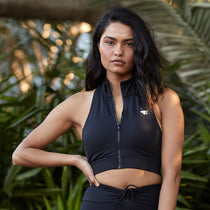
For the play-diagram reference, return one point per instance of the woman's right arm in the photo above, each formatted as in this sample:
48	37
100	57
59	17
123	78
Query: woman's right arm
31	151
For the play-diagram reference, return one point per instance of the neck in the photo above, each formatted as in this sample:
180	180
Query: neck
114	83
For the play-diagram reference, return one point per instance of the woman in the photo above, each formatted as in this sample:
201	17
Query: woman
130	124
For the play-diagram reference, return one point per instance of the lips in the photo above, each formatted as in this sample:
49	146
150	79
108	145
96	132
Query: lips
118	62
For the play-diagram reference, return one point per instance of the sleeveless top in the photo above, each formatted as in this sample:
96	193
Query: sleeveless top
135	142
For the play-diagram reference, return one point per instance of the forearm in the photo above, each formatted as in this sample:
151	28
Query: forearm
169	192
32	157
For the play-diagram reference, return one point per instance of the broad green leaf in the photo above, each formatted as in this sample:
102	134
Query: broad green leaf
23	118
205	134
48	178
194	150
10	177
182	200
28	174
190	139
70	201
64	183
204	116
47	204
59	203
80	184
192	176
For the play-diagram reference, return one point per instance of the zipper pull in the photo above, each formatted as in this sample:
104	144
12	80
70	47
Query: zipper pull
118	126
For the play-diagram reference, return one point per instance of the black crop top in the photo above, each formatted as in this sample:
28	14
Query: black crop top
135	142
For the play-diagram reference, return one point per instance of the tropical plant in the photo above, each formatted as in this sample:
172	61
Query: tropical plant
28	91
194	191
26	189
71	194
42	63
195	67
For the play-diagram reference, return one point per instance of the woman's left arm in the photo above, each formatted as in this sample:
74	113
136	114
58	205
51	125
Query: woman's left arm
172	143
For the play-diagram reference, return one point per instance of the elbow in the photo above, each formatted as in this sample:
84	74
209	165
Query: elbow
173	175
15	159
177	177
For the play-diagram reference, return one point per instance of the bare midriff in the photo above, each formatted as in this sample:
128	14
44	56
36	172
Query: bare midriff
120	178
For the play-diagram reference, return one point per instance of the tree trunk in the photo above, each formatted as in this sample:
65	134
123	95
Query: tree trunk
81	10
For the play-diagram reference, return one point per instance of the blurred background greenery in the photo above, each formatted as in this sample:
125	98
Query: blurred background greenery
42	62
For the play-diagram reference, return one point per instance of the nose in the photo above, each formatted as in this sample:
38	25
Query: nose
118	50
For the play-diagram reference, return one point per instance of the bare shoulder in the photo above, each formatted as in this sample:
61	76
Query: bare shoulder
83	95
78	106
80	98
169	100
73	106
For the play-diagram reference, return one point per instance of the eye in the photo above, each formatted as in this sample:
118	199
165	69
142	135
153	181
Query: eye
129	44
109	42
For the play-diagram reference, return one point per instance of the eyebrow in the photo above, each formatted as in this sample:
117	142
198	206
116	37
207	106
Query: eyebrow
109	37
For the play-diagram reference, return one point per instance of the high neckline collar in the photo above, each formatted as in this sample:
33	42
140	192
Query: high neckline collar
127	87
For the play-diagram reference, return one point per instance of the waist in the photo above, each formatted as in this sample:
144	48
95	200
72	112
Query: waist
110	163
120	178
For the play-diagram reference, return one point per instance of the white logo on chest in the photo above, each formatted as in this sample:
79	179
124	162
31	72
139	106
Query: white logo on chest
144	112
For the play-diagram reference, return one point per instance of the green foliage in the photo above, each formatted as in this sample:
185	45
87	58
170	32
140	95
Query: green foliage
20	112
20	190
70	196
194	191
196	13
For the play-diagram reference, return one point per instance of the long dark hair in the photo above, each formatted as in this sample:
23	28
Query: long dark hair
148	60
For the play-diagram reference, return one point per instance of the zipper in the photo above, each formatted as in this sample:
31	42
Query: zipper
118	144
118	138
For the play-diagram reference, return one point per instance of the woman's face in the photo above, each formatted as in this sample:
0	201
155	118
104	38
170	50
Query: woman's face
116	48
